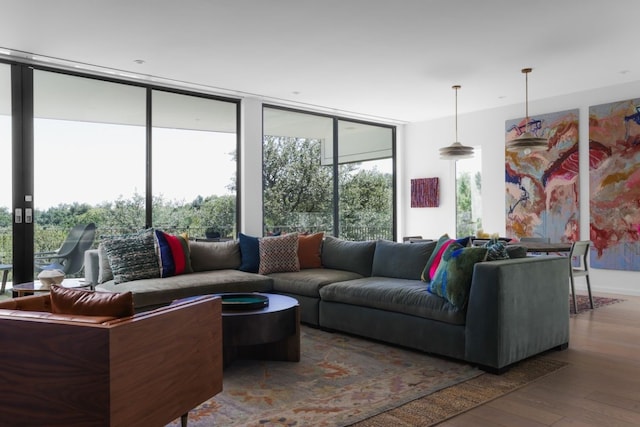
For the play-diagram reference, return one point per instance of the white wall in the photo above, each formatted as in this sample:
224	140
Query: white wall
420	159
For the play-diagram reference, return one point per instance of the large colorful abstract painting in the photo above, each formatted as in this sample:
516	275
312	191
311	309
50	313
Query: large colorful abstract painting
614	185
542	187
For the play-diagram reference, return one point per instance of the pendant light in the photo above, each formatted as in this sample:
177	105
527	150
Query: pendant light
456	151
528	141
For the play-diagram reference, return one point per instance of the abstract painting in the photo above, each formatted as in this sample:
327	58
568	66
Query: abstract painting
542	187
425	193
614	185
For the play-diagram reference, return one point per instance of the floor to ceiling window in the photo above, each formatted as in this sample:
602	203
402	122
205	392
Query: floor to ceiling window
469	195
6	238
194	164
89	156
310	186
121	155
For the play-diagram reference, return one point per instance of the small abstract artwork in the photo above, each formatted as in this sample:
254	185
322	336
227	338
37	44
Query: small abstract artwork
614	185
542	187
425	193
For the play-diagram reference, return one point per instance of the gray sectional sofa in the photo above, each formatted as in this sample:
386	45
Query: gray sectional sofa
516	308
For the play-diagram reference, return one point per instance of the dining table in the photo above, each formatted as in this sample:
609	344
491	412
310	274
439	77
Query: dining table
557	247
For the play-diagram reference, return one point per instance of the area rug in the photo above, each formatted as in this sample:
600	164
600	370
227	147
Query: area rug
340	380
583	303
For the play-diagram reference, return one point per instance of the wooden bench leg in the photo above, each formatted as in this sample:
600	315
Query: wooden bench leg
184	419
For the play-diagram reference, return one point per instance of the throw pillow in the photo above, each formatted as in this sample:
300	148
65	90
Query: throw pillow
310	250
346	255
279	254
249	253
496	249
208	256
104	269
434	259
173	254
452	280
132	257
516	251
88	303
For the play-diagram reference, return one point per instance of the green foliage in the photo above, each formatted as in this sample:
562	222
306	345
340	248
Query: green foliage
298	192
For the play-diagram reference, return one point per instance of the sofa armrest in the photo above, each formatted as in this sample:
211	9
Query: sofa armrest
517	308
91	267
143	370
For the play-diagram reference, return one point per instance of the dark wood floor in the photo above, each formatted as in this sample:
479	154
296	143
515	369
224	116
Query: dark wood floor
600	387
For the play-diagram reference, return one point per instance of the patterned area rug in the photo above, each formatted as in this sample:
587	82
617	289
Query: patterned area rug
340	380
583	303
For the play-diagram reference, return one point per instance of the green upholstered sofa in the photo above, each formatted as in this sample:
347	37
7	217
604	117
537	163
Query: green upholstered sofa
516	308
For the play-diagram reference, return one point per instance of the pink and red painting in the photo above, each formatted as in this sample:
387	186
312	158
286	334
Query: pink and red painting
542	187
614	185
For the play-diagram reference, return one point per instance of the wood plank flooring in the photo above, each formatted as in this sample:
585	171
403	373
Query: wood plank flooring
600	387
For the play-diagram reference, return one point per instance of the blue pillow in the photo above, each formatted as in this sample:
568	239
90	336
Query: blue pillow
250	253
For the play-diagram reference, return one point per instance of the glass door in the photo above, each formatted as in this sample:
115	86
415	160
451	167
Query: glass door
6	221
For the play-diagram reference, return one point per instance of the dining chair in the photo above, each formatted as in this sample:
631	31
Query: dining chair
579	253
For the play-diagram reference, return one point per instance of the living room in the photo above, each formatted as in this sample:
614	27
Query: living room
425	120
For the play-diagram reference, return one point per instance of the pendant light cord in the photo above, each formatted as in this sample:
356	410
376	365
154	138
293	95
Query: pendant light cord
456	87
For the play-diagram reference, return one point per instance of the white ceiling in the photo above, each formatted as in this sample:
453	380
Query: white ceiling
381	59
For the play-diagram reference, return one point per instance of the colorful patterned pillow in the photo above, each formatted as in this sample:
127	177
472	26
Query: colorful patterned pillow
249	253
279	254
436	256
310	250
173	254
496	249
132	257
452	280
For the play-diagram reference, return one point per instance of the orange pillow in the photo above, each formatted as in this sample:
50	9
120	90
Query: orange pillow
89	303
309	250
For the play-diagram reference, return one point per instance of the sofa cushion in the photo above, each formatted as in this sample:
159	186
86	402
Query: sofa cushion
309	281
249	253
452	280
347	255
279	253
155	292
396	295
133	256
401	260
173	254
207	256
89	303
310	250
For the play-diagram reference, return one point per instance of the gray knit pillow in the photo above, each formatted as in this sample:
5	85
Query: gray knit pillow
133	257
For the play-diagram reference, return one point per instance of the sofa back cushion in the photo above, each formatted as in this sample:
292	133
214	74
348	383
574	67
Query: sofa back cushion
401	260
346	255
207	256
89	303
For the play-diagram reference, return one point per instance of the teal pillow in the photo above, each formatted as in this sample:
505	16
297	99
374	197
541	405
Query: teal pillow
452	280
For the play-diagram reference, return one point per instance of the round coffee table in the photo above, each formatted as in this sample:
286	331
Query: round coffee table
30	288
269	333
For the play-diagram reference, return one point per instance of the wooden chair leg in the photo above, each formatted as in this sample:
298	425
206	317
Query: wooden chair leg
573	295
184	420
589	289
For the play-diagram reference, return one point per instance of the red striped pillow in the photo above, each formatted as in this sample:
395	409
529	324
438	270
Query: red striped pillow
173	254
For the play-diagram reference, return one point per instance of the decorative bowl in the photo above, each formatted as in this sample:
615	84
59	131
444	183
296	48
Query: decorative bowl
51	277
